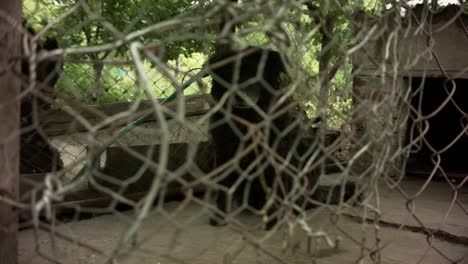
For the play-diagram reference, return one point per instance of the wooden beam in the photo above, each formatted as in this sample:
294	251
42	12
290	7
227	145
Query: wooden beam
59	122
10	47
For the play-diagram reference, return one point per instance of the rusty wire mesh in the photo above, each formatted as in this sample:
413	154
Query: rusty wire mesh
383	79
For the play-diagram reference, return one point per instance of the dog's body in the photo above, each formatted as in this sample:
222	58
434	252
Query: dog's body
37	154
253	133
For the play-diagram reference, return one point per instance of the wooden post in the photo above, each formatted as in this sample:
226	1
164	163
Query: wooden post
10	48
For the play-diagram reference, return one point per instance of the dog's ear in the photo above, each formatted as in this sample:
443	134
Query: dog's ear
275	60
50	44
316	120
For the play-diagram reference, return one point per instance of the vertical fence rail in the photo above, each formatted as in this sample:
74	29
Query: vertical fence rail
10	10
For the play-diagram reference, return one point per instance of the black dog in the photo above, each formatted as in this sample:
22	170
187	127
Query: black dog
256	138
37	155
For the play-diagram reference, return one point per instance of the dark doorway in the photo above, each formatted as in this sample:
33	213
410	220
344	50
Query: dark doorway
446	122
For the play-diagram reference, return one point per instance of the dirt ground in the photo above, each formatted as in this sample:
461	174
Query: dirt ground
179	233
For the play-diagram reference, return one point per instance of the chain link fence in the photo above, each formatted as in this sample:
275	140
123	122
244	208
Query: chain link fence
243	132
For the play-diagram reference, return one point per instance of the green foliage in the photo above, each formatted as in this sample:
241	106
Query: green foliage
85	27
118	83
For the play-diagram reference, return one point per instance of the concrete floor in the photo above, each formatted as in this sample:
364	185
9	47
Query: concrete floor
179	233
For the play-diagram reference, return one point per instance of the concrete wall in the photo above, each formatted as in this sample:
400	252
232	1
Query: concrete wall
409	47
398	48
379	124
